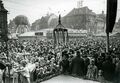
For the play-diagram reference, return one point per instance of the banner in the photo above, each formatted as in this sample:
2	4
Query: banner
111	15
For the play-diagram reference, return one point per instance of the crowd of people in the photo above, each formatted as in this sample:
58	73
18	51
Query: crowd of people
84	57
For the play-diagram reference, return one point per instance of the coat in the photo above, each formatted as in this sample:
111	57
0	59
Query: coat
108	70
77	66
117	73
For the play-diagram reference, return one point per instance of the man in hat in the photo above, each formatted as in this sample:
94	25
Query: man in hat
77	65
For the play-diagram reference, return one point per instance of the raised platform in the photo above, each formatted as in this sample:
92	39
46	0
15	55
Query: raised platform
68	79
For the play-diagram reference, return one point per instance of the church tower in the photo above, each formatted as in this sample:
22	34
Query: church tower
3	21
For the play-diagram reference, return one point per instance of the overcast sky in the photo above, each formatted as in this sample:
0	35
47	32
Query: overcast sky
34	9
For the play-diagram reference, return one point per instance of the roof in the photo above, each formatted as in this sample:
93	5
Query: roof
27	34
72	30
78	11
32	33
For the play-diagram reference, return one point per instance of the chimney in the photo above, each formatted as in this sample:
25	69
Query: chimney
102	12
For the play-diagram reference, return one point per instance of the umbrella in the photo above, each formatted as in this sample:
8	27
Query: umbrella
2	65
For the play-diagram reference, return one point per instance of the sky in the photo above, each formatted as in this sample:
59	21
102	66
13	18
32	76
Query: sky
35	9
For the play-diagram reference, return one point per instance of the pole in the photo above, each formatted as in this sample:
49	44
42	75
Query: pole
107	43
54	37
107	27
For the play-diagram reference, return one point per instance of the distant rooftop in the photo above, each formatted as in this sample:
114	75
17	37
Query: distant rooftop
78	11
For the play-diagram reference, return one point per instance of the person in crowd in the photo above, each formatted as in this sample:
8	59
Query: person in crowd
92	72
64	64
117	72
1	76
35	73
100	76
77	65
25	73
100	61
87	62
40	73
108	68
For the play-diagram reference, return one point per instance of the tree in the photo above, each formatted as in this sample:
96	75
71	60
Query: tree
21	20
22	24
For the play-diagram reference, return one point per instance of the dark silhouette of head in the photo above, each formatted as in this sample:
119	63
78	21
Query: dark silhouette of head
78	54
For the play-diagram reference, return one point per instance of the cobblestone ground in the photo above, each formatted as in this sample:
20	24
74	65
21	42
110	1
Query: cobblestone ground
67	79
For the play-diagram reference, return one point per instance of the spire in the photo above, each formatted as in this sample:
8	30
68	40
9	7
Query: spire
2	6
59	21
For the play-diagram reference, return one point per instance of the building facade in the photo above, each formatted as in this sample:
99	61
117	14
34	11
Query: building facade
78	18
100	22
3	21
81	18
84	19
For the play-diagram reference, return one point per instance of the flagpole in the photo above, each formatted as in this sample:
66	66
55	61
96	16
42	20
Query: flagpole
110	19
107	43
107	30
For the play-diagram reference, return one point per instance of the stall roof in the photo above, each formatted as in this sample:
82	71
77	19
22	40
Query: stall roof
28	34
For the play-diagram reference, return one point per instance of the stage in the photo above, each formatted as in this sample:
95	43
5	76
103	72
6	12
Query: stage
67	79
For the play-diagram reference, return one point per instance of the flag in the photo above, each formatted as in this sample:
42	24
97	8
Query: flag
111	15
